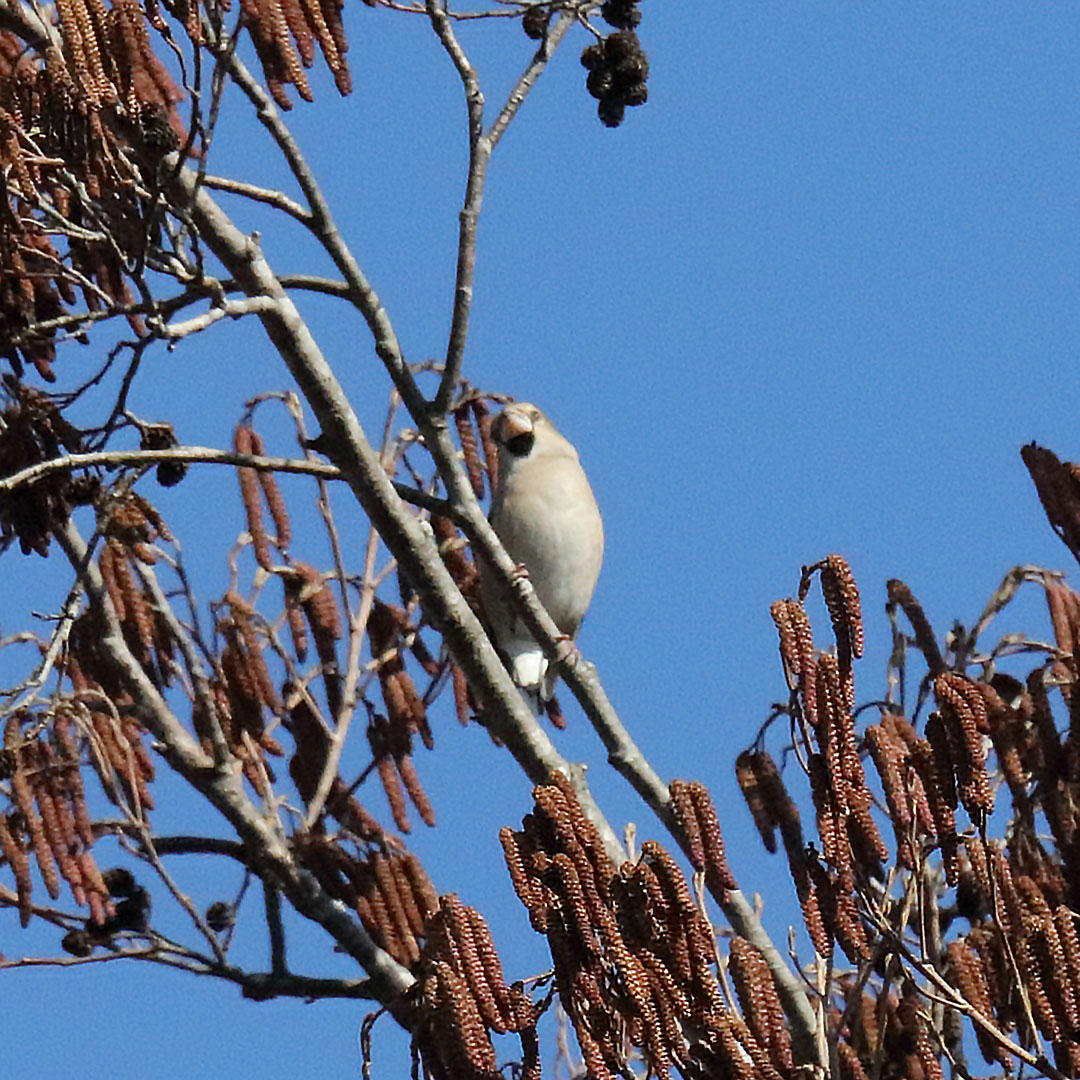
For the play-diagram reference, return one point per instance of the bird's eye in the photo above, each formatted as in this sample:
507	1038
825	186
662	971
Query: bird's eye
521	444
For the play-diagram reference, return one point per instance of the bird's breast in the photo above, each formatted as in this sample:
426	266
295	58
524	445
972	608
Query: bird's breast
556	534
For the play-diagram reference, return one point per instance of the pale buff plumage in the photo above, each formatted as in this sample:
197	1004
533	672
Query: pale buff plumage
547	519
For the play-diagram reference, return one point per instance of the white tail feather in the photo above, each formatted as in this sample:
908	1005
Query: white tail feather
528	664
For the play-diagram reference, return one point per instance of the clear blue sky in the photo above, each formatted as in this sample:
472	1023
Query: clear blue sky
813	297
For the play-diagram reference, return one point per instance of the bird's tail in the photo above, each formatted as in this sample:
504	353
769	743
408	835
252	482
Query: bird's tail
536	677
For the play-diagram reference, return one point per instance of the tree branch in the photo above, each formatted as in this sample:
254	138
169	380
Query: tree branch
481	146
408	540
203	455
220	784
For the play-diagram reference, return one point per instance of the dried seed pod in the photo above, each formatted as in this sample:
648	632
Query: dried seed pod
1058	488
900	595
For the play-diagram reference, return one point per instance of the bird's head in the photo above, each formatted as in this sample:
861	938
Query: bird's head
522	431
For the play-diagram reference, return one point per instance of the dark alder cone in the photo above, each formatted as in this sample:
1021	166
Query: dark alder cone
622	14
170	473
611	112
593	57
155	132
618	68
535	22
119	881
620	46
220	916
131	913
77	942
163	437
599	82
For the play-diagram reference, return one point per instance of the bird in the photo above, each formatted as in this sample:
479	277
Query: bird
545	514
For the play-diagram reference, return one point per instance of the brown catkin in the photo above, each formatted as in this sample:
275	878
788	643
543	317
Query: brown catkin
717	872
388	776
411	780
841	584
797	652
759	1001
275	501
746	769
475	1053
515	866
888	756
482	416
813	916
969	978
938	739
682	805
255	664
467	438
20	786
964	718
834	844
15	856
250	497
107	565
406	896
458	924
54	835
850	1066
514	1014
933	776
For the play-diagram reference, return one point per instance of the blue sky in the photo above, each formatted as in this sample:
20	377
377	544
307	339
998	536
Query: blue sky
813	297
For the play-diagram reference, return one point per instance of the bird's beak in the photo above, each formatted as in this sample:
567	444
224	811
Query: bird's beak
514	424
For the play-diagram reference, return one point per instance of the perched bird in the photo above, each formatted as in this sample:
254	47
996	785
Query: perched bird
544	512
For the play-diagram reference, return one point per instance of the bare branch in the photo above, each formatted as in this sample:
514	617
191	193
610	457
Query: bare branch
277	199
221	786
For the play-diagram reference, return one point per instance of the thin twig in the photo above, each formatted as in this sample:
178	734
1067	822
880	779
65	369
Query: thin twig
278	199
